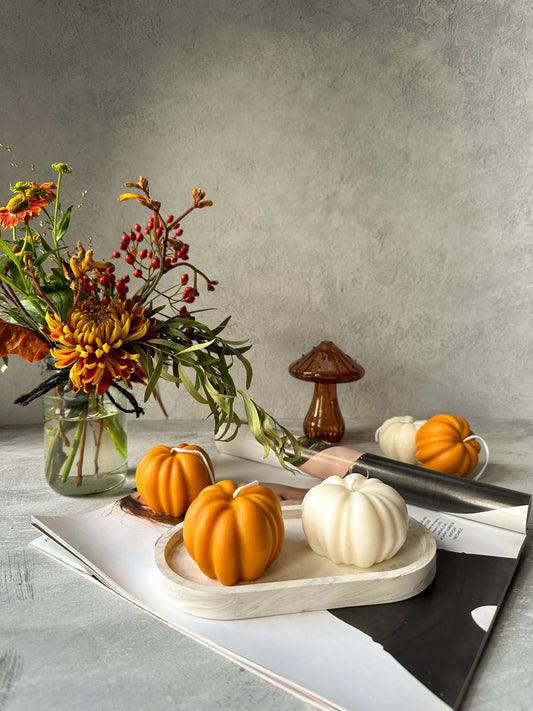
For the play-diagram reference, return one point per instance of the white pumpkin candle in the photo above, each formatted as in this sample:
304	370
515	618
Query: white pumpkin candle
354	520
397	438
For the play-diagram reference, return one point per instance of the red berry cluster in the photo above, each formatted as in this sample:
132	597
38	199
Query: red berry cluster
164	250
104	284
147	259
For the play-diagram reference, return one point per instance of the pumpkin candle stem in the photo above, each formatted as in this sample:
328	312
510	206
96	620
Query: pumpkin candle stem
485	449
243	486
207	463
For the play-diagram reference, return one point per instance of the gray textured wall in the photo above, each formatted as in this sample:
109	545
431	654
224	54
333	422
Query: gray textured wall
370	163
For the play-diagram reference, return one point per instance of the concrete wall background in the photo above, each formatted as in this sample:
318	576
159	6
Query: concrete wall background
370	164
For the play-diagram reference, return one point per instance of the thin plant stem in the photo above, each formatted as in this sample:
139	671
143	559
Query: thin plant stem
79	478
74	446
53	451
98	443
54	228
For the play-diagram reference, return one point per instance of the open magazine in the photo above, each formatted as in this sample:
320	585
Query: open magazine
426	647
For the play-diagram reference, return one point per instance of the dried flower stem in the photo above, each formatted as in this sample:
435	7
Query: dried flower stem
38	288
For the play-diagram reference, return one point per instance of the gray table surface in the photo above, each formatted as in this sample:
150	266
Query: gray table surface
68	644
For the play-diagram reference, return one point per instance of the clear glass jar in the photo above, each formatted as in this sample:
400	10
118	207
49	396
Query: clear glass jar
85	443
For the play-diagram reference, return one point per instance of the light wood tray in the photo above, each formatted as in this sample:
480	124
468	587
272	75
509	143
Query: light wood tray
299	580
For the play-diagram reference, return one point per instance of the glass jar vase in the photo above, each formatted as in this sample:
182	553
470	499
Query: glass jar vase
85	443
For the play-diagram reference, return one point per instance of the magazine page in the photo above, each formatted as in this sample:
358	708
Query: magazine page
475	564
314	653
317	652
46	545
464	535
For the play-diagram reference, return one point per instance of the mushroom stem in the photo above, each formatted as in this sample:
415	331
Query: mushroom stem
324	419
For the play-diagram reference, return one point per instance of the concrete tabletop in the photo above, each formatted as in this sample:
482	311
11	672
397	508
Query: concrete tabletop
66	644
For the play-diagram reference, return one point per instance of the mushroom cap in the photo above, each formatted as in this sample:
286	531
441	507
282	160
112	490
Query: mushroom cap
326	363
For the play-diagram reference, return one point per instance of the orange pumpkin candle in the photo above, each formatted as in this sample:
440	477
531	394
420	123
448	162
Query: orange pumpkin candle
446	444
234	533
169	478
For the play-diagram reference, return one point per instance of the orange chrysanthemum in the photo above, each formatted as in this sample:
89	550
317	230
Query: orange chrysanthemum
24	206
96	343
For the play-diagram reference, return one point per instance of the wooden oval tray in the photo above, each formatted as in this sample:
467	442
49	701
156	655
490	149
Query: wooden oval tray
299	580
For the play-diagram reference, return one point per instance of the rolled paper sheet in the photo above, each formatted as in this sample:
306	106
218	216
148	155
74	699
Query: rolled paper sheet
418	486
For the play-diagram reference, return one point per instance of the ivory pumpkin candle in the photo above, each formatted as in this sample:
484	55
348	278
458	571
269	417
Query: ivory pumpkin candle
234	532
354	520
397	438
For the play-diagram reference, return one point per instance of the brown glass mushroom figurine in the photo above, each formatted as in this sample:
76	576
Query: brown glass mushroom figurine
325	366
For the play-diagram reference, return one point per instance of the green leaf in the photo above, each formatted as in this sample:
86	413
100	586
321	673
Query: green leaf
7	250
232	419
228	438
254	422
165	375
196	347
295	447
40	238
16	316
61	298
117	433
154	377
62	225
247	367
35	308
171	345
221	326
222	400
214	409
271	433
43	257
58	276
18	279
156	309
188	385
177	323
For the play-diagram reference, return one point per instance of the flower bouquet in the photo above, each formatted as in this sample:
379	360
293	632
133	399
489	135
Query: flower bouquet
101	332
